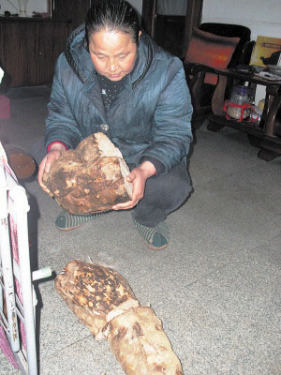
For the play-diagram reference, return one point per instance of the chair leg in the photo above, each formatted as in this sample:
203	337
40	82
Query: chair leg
268	155
214	126
254	141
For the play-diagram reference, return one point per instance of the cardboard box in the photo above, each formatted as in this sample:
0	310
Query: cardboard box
266	52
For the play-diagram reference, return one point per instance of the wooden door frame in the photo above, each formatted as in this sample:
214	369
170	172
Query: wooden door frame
148	16
193	17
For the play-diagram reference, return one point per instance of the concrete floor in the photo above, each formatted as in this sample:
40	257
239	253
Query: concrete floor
216	288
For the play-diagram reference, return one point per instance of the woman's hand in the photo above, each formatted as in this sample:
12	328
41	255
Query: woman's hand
137	177
55	153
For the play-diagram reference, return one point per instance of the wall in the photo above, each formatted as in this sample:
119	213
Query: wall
263	17
32	5
42	5
137	4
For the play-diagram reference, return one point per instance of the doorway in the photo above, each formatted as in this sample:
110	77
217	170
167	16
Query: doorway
170	22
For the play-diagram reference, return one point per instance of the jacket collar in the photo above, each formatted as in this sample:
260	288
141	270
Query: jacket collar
79	59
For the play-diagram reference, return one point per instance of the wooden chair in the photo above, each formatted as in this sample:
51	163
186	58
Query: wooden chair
214	45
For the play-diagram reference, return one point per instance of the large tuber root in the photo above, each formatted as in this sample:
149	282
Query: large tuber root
89	179
103	300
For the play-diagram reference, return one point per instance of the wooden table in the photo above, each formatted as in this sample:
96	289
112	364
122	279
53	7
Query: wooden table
266	134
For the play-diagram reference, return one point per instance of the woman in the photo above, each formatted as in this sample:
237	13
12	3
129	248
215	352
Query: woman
113	78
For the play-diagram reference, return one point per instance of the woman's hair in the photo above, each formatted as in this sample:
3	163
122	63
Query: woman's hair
112	15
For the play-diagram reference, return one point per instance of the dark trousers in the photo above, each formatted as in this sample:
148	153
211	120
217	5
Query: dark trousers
163	195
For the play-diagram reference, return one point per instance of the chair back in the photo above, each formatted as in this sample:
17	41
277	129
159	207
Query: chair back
231	30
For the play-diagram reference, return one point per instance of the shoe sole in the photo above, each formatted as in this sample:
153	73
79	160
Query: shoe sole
155	248
70	228
67	229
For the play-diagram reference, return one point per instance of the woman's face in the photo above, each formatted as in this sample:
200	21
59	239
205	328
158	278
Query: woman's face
113	53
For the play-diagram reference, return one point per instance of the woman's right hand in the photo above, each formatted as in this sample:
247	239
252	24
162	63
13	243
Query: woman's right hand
55	153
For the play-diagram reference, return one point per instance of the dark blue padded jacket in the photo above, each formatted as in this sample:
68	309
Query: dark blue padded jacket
148	120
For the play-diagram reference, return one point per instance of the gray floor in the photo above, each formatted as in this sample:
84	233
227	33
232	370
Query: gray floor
217	286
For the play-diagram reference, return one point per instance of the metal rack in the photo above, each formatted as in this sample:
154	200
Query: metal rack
17	296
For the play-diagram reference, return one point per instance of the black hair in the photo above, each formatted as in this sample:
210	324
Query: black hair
116	15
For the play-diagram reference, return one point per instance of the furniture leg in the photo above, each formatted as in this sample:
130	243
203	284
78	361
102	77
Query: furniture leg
270	122
218	96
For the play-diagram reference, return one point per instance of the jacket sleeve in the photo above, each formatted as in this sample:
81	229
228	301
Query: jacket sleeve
60	123
171	134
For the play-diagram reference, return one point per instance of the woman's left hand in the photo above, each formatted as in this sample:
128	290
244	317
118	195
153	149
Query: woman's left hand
137	177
